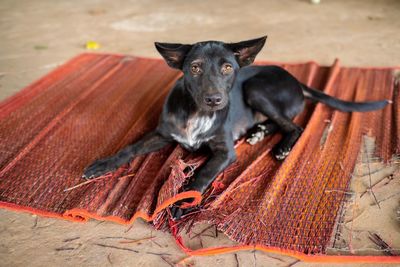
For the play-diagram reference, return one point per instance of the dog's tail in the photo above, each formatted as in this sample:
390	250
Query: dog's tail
342	105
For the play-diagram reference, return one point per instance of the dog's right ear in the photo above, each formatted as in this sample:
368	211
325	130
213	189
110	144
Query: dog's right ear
174	54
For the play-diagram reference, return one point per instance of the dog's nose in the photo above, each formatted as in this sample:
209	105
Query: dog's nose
213	100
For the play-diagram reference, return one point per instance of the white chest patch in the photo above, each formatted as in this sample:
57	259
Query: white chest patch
196	126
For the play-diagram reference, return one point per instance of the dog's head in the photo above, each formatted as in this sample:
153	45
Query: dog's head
210	67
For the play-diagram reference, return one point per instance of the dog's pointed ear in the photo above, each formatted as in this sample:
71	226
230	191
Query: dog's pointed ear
246	51
174	54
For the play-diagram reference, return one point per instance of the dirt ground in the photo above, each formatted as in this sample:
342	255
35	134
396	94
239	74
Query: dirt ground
37	36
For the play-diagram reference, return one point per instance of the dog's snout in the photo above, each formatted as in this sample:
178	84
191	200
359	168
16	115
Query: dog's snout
213	100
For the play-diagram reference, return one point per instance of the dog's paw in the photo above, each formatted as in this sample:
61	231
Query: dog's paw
257	135
98	168
177	212
281	153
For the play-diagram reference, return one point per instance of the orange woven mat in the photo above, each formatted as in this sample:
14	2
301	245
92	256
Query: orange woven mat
96	104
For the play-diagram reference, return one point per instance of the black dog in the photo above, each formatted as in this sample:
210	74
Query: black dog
218	100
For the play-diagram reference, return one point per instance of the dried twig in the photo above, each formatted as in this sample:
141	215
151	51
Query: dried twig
293	263
158	254
370	178
339	191
136	240
209	235
115	237
237	260
129	228
386	198
86	182
167	261
35	222
201	241
44	226
71	239
275	258
97	224
109	259
155	242
377	240
109	246
64	248
196	235
390	177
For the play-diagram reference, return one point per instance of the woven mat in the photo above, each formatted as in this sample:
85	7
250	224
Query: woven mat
96	104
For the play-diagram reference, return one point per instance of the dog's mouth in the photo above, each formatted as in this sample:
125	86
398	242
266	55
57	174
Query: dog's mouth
211	108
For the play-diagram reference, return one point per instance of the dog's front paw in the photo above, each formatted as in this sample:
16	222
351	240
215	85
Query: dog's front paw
177	212
98	168
176	209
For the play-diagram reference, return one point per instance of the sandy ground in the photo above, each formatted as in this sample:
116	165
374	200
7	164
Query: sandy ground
37	36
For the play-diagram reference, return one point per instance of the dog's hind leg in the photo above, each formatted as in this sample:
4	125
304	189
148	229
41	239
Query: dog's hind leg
291	131
282	149
281	114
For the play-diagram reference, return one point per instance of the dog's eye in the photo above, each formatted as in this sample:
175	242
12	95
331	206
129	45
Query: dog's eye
195	69
227	68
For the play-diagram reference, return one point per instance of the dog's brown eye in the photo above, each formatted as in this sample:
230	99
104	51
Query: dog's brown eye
195	69
227	68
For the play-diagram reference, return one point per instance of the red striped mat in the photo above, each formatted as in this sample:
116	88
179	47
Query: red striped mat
96	104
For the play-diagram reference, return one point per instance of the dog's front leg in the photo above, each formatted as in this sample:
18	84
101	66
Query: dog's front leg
206	175
223	154
151	142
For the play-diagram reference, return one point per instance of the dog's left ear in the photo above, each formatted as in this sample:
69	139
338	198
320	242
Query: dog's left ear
246	51
174	54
